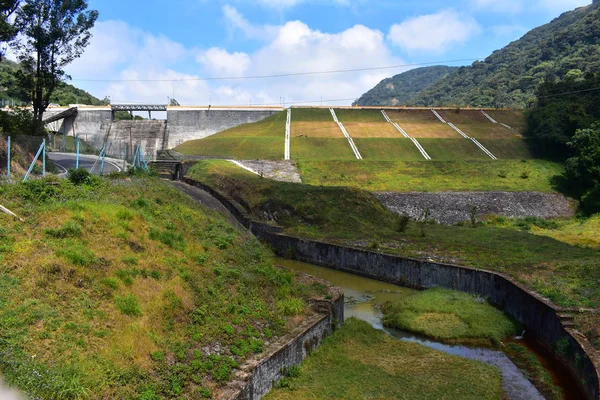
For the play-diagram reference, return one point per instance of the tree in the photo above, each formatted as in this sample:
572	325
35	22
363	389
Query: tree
8	31
55	34
583	170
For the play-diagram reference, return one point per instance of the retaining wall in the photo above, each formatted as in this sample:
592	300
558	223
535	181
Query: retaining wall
537	314
257	376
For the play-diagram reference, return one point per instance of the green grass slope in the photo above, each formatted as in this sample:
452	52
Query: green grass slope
260	140
116	289
432	176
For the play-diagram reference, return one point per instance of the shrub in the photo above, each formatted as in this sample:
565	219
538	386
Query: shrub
81	177
525	175
403	221
128	305
503	174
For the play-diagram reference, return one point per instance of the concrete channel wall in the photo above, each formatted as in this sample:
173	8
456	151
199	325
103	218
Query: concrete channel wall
257	376
537	314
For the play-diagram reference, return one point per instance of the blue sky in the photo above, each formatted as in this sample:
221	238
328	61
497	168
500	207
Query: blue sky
145	51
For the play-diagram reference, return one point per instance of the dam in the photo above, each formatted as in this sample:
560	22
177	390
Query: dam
95	124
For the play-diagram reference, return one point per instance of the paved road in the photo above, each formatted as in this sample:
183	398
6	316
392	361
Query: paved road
65	162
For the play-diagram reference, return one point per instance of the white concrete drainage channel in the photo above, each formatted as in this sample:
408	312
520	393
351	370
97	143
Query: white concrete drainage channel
406	135
488	116
451	125
346	134
288	130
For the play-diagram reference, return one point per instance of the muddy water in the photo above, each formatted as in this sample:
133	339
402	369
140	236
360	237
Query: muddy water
363	295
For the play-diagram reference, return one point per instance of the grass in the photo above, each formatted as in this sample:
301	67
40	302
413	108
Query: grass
318	129
582	232
388	149
372	130
515	149
359	362
448	315
260	140
432	176
113	290
347	116
516	119
453	149
248	148
567	274
311	115
422	124
476	125
319	148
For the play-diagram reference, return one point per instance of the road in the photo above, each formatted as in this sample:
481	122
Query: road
64	162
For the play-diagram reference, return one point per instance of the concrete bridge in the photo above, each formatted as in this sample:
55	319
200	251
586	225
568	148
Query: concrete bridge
94	124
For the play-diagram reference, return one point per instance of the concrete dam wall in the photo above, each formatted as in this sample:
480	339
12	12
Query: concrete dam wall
189	123
94	124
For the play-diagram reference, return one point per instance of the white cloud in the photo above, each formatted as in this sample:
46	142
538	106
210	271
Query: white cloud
434	32
282	4
222	63
146	63
237	22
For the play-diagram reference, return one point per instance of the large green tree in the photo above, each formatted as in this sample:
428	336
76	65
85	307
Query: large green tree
55	33
583	170
8	30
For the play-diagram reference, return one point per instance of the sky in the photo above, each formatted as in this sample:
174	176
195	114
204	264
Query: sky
147	51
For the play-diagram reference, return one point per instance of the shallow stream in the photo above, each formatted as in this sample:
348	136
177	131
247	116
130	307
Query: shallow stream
363	296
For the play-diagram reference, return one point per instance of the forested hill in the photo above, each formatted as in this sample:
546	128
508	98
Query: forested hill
399	89
569	45
65	94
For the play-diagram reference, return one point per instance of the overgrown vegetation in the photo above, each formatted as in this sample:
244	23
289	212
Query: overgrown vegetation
568	274
450	316
129	289
359	362
566	126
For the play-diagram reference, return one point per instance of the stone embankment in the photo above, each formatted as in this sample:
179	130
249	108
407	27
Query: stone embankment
540	316
450	208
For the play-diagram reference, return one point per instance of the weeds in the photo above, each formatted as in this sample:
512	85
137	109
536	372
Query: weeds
128	305
69	230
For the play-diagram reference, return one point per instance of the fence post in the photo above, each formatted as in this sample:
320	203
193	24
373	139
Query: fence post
44	158
37	156
77	156
8	162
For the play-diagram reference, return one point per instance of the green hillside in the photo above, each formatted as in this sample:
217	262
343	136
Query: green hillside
401	88
569	46
65	94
